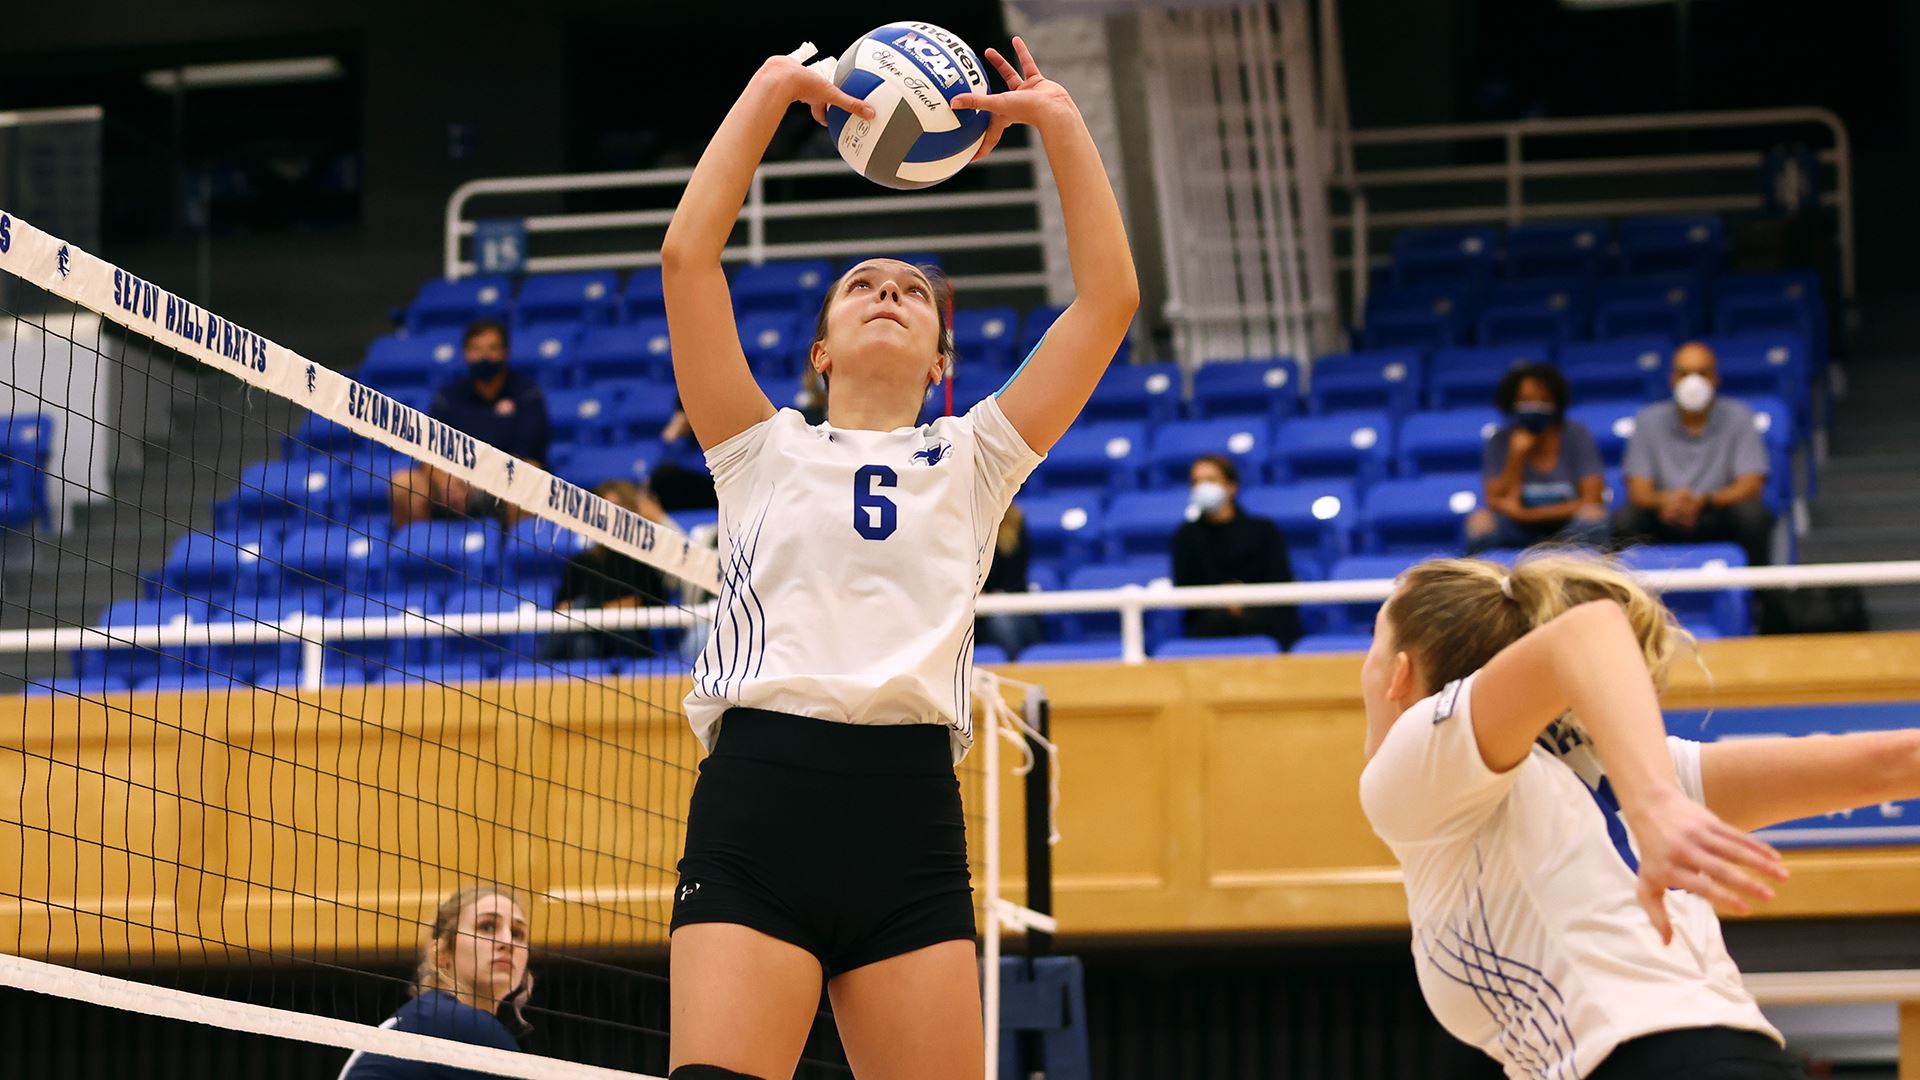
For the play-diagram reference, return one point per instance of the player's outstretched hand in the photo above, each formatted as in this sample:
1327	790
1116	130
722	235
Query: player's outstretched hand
1030	97
808	87
1684	845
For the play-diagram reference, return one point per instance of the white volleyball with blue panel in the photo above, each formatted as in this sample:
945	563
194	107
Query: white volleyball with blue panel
910	72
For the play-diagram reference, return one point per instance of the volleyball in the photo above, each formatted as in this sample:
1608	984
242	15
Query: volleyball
908	72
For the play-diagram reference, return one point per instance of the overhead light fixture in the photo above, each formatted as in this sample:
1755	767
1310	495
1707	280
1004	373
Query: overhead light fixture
245	73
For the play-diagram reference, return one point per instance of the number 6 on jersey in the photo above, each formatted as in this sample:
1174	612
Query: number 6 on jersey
874	516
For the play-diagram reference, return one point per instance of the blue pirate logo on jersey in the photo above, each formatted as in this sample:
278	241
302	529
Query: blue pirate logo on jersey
935	452
66	260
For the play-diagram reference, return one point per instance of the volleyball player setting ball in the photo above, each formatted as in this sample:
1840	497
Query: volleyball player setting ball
1518	767
825	836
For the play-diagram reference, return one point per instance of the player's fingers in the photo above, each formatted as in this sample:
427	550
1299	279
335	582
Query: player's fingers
837	96
1000	65
987	142
1653	899
1742	850
1028	68
819	111
1717	891
1730	876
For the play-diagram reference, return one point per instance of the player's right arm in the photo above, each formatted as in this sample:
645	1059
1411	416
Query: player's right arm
717	389
1754	783
1588	661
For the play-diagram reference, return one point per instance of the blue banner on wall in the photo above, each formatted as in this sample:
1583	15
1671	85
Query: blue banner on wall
500	245
1885	823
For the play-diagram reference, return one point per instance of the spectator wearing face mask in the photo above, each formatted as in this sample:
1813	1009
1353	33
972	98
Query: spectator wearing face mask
490	402
1225	545
1696	466
1544	478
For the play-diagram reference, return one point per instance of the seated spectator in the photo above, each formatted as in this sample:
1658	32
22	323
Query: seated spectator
497	406
600	577
1696	466
470	986
1228	546
1544	477
1008	574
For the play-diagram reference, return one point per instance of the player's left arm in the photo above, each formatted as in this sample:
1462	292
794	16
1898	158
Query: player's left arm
1754	783
1051	387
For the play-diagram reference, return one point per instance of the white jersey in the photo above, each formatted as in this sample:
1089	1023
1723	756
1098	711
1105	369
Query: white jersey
850	563
1520	888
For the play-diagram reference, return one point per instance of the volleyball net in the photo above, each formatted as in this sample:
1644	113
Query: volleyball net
286	662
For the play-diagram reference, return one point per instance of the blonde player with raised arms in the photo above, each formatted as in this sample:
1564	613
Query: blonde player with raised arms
1519	769
825	836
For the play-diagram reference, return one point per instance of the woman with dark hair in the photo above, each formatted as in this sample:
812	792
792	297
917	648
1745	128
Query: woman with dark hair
470	985
1225	545
825	839
1544	477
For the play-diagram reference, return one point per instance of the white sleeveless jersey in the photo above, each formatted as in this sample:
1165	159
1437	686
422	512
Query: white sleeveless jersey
850	562
1520	888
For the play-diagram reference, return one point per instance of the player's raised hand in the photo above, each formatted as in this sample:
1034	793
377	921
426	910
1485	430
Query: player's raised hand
1684	845
808	87
1030	97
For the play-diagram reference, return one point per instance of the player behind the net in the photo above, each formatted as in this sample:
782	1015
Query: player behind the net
825	837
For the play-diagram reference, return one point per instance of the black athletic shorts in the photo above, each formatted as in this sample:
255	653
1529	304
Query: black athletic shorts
847	840
1705	1053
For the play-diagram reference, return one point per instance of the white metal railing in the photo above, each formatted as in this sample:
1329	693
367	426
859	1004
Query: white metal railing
1131	602
760	210
1515	203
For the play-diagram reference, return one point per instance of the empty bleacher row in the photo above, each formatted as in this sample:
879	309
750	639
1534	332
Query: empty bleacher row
1366	460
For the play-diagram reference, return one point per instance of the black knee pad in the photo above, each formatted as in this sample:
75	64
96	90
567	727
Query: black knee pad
708	1072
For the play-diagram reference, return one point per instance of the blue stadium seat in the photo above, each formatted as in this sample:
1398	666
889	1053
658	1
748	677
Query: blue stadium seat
1427	514
491	650
593	466
584	417
1612	425
1316	516
1623	368
318	436
1728	610
1449	441
1142	522
1456	303
986	336
1269	388
1095	455
640	408
1799	289
1764	312
130	663
275	605
644	297
1529	311
221	562
453	304
371	659
1357	617
794	287
774	341
546	352
1176	444
1422	330
986	654
1387	380
1344	446
642	350
1321	644
1448	254
26	448
1136	392
1684	243
583	296
1774	419
1556	249
1063	527
1147	572
278	490
1776	363
1181	648
333	557
1069	652
1671	305
426	359
1459	377
599	670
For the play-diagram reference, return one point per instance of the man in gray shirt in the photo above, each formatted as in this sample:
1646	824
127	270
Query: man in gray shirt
1696	466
